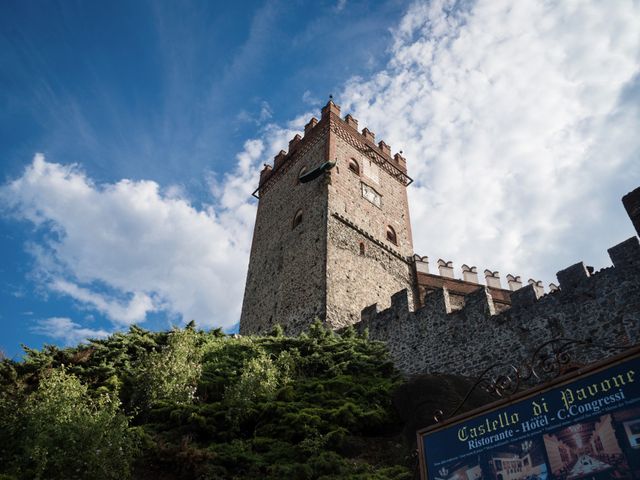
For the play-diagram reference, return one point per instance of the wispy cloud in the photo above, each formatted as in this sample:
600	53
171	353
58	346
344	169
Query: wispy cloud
65	330
127	313
339	6
518	120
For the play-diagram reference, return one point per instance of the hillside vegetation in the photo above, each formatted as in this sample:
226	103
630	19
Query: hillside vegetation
192	404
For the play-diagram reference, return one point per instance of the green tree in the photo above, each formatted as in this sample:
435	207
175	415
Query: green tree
64	433
260	379
172	373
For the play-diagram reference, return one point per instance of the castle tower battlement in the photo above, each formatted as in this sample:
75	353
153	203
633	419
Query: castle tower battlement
332	231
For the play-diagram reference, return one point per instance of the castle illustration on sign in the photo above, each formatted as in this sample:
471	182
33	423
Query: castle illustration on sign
332	240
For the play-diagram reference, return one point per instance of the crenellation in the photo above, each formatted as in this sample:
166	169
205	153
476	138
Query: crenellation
469	274
524	296
436	338
310	126
492	279
400	300
330	108
438	301
445	268
478	305
293	142
421	263
538	286
369	313
515	282
265	172
400	161
384	148
626	254
572	277
352	122
368	135
279	159
631	202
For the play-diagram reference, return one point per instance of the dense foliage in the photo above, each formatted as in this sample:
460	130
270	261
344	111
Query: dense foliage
192	404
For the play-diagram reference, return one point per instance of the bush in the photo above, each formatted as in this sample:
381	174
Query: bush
205	405
64	433
172	373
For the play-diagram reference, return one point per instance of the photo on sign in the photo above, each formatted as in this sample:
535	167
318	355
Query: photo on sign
519	461
630	422
466	470
627	425
595	448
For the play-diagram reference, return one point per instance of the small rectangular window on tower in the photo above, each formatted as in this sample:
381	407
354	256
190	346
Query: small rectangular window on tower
371	195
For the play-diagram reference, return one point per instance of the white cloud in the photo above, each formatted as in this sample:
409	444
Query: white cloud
128	248
519	121
124	249
62	328
134	311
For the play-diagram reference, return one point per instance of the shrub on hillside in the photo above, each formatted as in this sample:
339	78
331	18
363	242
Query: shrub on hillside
62	432
204	405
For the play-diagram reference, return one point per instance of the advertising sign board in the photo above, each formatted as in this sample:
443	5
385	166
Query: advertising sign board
582	426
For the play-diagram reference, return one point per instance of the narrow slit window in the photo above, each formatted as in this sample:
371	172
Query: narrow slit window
354	167
391	235
361	248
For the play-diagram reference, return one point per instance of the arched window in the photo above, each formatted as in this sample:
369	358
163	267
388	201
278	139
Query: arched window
361	248
302	171
297	219
353	166
391	235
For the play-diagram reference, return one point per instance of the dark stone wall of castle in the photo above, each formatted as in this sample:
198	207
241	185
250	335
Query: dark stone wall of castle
603	307
363	266
286	281
355	280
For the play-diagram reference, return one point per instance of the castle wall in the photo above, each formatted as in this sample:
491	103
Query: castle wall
363	266
286	281
603	307
355	280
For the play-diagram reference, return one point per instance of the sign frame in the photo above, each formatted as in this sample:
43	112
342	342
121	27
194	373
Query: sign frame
631	353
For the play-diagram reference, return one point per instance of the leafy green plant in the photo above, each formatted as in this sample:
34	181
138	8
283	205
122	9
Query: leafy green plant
172	372
204	405
64	433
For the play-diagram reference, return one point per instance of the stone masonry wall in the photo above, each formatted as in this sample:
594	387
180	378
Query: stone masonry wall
604	307
356	278
345	194
286	281
339	259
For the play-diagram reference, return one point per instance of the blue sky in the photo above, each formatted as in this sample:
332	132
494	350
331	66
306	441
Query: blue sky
131	134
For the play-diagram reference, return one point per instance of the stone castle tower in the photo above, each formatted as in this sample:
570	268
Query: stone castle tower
332	232
332	241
